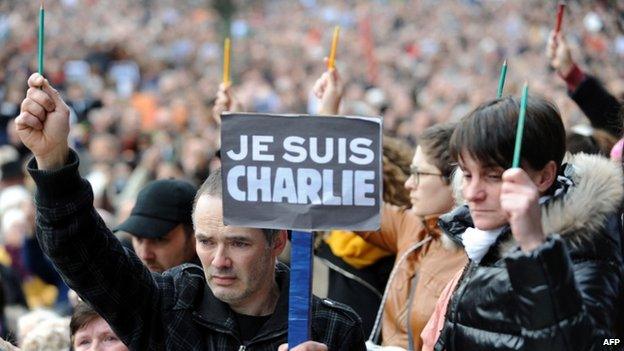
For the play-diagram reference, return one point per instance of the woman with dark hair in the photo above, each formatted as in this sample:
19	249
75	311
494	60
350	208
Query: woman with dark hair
545	270
90	332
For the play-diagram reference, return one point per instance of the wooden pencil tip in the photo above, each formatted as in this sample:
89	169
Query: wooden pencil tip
505	62
42	5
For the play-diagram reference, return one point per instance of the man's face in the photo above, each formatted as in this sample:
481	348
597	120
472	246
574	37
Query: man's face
160	254
239	263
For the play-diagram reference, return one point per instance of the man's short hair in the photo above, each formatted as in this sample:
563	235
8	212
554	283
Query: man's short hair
212	186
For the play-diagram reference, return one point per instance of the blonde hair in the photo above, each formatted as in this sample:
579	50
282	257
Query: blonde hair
7	346
50	335
31	320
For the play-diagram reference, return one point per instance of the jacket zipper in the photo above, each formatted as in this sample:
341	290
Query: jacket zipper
410	300
377	326
198	318
460	293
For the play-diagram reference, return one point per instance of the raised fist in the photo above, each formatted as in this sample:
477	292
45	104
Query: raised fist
43	123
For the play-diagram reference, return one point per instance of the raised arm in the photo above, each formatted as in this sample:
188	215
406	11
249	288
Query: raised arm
602	108
329	88
562	303
226	102
70	232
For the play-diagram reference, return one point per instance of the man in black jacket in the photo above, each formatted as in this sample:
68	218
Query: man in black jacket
238	301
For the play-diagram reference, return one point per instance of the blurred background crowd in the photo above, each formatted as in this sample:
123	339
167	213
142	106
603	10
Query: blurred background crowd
141	78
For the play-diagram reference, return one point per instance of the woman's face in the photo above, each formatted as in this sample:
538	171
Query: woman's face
97	335
429	193
481	188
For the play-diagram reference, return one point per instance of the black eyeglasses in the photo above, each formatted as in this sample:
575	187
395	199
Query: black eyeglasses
416	173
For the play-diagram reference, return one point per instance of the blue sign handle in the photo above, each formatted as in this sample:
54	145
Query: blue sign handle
300	298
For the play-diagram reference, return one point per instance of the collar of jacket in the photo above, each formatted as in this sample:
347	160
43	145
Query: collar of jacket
218	315
577	214
455	223
430	224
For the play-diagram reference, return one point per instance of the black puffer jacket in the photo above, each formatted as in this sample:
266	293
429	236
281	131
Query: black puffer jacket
565	295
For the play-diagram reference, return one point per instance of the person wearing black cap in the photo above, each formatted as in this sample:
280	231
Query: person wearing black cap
161	224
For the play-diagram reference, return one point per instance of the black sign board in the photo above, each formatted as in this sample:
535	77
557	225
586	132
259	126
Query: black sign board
301	172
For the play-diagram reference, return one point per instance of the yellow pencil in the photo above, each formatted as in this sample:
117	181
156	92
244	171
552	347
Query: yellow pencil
332	54
226	61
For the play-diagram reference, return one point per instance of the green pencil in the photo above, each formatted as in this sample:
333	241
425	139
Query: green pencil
41	39
501	80
520	129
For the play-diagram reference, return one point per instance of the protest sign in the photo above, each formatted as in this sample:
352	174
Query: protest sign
301	172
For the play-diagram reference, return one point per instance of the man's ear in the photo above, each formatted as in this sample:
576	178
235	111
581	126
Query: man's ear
545	178
279	243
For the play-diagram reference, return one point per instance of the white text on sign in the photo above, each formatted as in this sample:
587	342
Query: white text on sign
302	185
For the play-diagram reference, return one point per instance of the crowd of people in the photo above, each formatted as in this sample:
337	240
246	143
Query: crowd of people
139	104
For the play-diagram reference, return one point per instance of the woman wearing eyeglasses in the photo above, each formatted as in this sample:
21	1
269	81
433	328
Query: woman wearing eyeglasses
424	264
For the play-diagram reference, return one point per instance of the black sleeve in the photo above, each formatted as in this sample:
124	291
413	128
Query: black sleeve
354	340
564	305
91	260
602	108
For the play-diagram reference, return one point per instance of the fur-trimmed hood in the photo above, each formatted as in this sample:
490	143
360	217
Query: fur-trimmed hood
595	191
